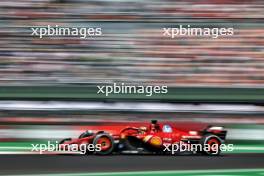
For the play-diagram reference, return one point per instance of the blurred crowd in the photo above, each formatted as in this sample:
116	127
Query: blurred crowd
132	47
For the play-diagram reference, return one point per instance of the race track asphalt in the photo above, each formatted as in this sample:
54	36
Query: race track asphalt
38	164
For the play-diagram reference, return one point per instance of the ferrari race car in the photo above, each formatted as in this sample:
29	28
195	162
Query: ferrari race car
151	138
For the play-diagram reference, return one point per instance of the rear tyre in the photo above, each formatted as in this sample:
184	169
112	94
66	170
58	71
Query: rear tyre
106	142
211	145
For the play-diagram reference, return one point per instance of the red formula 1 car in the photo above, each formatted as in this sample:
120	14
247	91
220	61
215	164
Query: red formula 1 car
151	138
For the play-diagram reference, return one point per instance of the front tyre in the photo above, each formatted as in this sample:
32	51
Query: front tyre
211	145
106	143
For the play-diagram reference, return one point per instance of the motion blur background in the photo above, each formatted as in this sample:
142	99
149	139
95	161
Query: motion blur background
48	86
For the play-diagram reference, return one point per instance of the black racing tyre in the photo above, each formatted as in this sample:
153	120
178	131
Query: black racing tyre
107	143
211	143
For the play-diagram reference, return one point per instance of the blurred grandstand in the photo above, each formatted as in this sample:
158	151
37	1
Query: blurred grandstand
131	50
